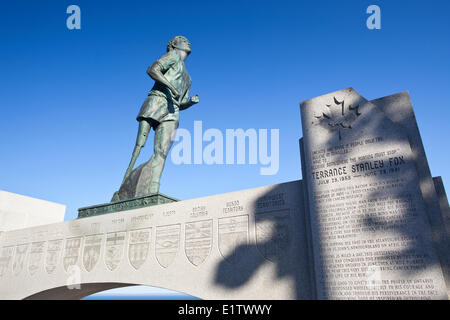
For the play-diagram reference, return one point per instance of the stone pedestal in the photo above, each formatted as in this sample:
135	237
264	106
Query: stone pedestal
136	203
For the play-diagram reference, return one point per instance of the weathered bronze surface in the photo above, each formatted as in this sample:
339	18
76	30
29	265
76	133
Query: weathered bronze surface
160	111
136	203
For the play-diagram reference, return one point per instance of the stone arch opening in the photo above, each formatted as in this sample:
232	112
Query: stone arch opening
140	292
88	289
84	290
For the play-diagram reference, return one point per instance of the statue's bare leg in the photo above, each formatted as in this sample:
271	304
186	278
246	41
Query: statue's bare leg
144	129
163	142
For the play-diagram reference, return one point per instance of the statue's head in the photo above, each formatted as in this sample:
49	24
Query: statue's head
179	42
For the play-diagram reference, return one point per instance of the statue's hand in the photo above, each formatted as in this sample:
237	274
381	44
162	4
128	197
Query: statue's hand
194	99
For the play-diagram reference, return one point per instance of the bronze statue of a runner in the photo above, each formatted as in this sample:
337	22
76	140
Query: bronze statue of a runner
160	111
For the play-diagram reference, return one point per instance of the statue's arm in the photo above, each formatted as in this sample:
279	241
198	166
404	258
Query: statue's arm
155	72
188	102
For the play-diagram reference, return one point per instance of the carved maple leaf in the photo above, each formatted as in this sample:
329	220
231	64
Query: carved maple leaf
338	117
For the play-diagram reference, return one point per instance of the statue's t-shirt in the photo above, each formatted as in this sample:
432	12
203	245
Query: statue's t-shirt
160	105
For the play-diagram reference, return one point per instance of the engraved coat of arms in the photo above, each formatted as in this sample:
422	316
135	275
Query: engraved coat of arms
198	242
139	245
273	235
115	243
167	244
54	249
233	233
91	251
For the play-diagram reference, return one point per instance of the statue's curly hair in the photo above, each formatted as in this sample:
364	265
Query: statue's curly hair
173	43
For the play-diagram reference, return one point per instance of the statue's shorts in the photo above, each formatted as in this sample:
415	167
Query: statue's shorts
157	109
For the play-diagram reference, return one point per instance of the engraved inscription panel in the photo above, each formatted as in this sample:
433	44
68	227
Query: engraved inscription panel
71	252
370	232
91	252
139	246
115	243
198	242
19	258
5	260
36	254
167	244
233	233
273	235
54	250
370	217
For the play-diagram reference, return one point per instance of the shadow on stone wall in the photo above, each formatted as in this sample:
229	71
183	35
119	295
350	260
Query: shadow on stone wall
411	225
279	241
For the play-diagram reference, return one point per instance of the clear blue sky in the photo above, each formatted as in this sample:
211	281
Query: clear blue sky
69	98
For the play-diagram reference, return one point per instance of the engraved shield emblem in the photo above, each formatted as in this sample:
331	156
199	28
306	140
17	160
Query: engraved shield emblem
139	246
233	233
167	243
115	242
273	235
36	254
54	249
5	260
19	258
71	252
198	242
91	251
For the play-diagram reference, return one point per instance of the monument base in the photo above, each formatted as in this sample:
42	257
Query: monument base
136	203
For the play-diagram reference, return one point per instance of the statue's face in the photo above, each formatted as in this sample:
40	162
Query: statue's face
185	46
184	49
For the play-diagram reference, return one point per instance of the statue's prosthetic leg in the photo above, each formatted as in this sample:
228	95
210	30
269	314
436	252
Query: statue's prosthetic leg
164	134
163	142
144	129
